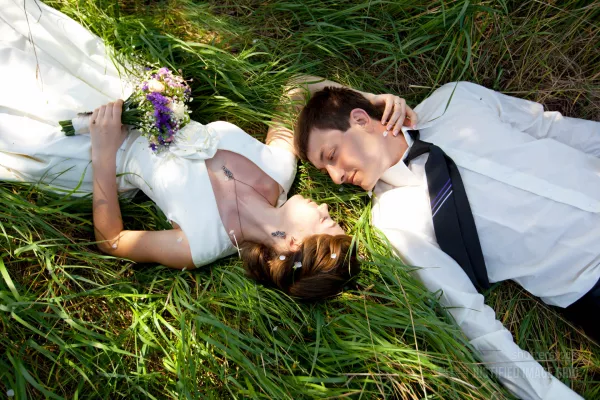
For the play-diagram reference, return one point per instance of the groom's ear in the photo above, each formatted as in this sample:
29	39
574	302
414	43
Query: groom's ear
360	117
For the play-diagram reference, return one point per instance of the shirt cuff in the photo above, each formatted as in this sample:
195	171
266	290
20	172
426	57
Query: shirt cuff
560	391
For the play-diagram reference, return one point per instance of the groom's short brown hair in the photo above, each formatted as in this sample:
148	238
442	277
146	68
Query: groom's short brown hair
329	108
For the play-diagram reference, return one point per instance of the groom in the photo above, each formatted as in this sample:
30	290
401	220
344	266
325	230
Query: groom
489	188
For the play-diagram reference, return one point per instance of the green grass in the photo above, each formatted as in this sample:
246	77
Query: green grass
75	323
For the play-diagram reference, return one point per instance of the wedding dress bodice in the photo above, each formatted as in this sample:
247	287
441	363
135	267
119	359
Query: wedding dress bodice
177	180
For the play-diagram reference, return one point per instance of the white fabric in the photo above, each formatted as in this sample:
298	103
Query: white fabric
533	182
72	72
81	124
194	141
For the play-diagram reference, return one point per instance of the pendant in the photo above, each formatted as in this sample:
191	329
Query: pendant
227	172
279	234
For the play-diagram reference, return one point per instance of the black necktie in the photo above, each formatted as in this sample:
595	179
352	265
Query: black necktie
453	222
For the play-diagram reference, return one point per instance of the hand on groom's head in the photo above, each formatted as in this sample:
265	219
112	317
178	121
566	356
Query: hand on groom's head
396	112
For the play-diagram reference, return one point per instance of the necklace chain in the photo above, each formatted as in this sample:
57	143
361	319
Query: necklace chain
229	175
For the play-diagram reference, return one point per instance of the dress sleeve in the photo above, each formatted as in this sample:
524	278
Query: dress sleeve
515	368
530	117
284	164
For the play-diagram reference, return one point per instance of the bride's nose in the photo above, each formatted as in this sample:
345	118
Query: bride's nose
323	208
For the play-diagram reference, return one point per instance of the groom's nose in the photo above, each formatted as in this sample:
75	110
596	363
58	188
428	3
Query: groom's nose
337	175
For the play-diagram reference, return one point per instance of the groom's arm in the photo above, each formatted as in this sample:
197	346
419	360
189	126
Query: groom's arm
514	367
296	94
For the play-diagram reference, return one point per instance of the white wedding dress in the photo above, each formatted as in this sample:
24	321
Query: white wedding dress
53	68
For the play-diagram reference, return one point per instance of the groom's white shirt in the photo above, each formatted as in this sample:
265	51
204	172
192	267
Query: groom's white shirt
533	182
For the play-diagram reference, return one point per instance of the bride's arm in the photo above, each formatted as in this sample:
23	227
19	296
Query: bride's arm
301	88
169	247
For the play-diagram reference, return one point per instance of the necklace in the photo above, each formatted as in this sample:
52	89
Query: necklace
230	176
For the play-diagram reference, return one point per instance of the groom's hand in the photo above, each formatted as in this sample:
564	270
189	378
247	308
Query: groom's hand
106	130
396	112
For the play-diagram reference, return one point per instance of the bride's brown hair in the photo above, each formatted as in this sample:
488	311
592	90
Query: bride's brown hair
319	269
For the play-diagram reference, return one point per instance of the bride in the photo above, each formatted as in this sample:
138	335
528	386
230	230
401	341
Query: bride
222	190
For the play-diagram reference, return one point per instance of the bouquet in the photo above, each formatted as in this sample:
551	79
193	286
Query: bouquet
157	108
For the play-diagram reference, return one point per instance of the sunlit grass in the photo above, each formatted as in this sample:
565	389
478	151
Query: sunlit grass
78	324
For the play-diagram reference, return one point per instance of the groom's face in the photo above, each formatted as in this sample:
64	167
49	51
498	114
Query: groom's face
355	156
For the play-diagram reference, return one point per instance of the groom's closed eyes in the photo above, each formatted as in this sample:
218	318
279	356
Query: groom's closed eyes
329	155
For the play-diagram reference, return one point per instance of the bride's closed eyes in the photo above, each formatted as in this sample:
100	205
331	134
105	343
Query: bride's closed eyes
304	218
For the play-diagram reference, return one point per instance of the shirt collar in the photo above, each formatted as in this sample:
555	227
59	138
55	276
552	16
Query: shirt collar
409	141
399	174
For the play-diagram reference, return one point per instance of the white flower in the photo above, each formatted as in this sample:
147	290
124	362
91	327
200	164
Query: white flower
333	255
155	86
282	258
178	109
370	193
297	265
10	393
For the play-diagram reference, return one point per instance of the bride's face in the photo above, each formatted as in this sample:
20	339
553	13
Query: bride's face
304	218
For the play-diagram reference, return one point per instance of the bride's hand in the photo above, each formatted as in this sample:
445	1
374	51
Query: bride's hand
106	130
396	112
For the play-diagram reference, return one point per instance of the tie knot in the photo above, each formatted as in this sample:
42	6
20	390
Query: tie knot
414	134
418	148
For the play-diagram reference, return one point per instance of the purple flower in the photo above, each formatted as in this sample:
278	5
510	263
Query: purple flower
163	91
162	115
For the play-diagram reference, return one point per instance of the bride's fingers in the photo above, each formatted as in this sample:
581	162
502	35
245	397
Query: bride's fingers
108	112
93	118
411	118
117	109
389	106
101	112
398	116
399	124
